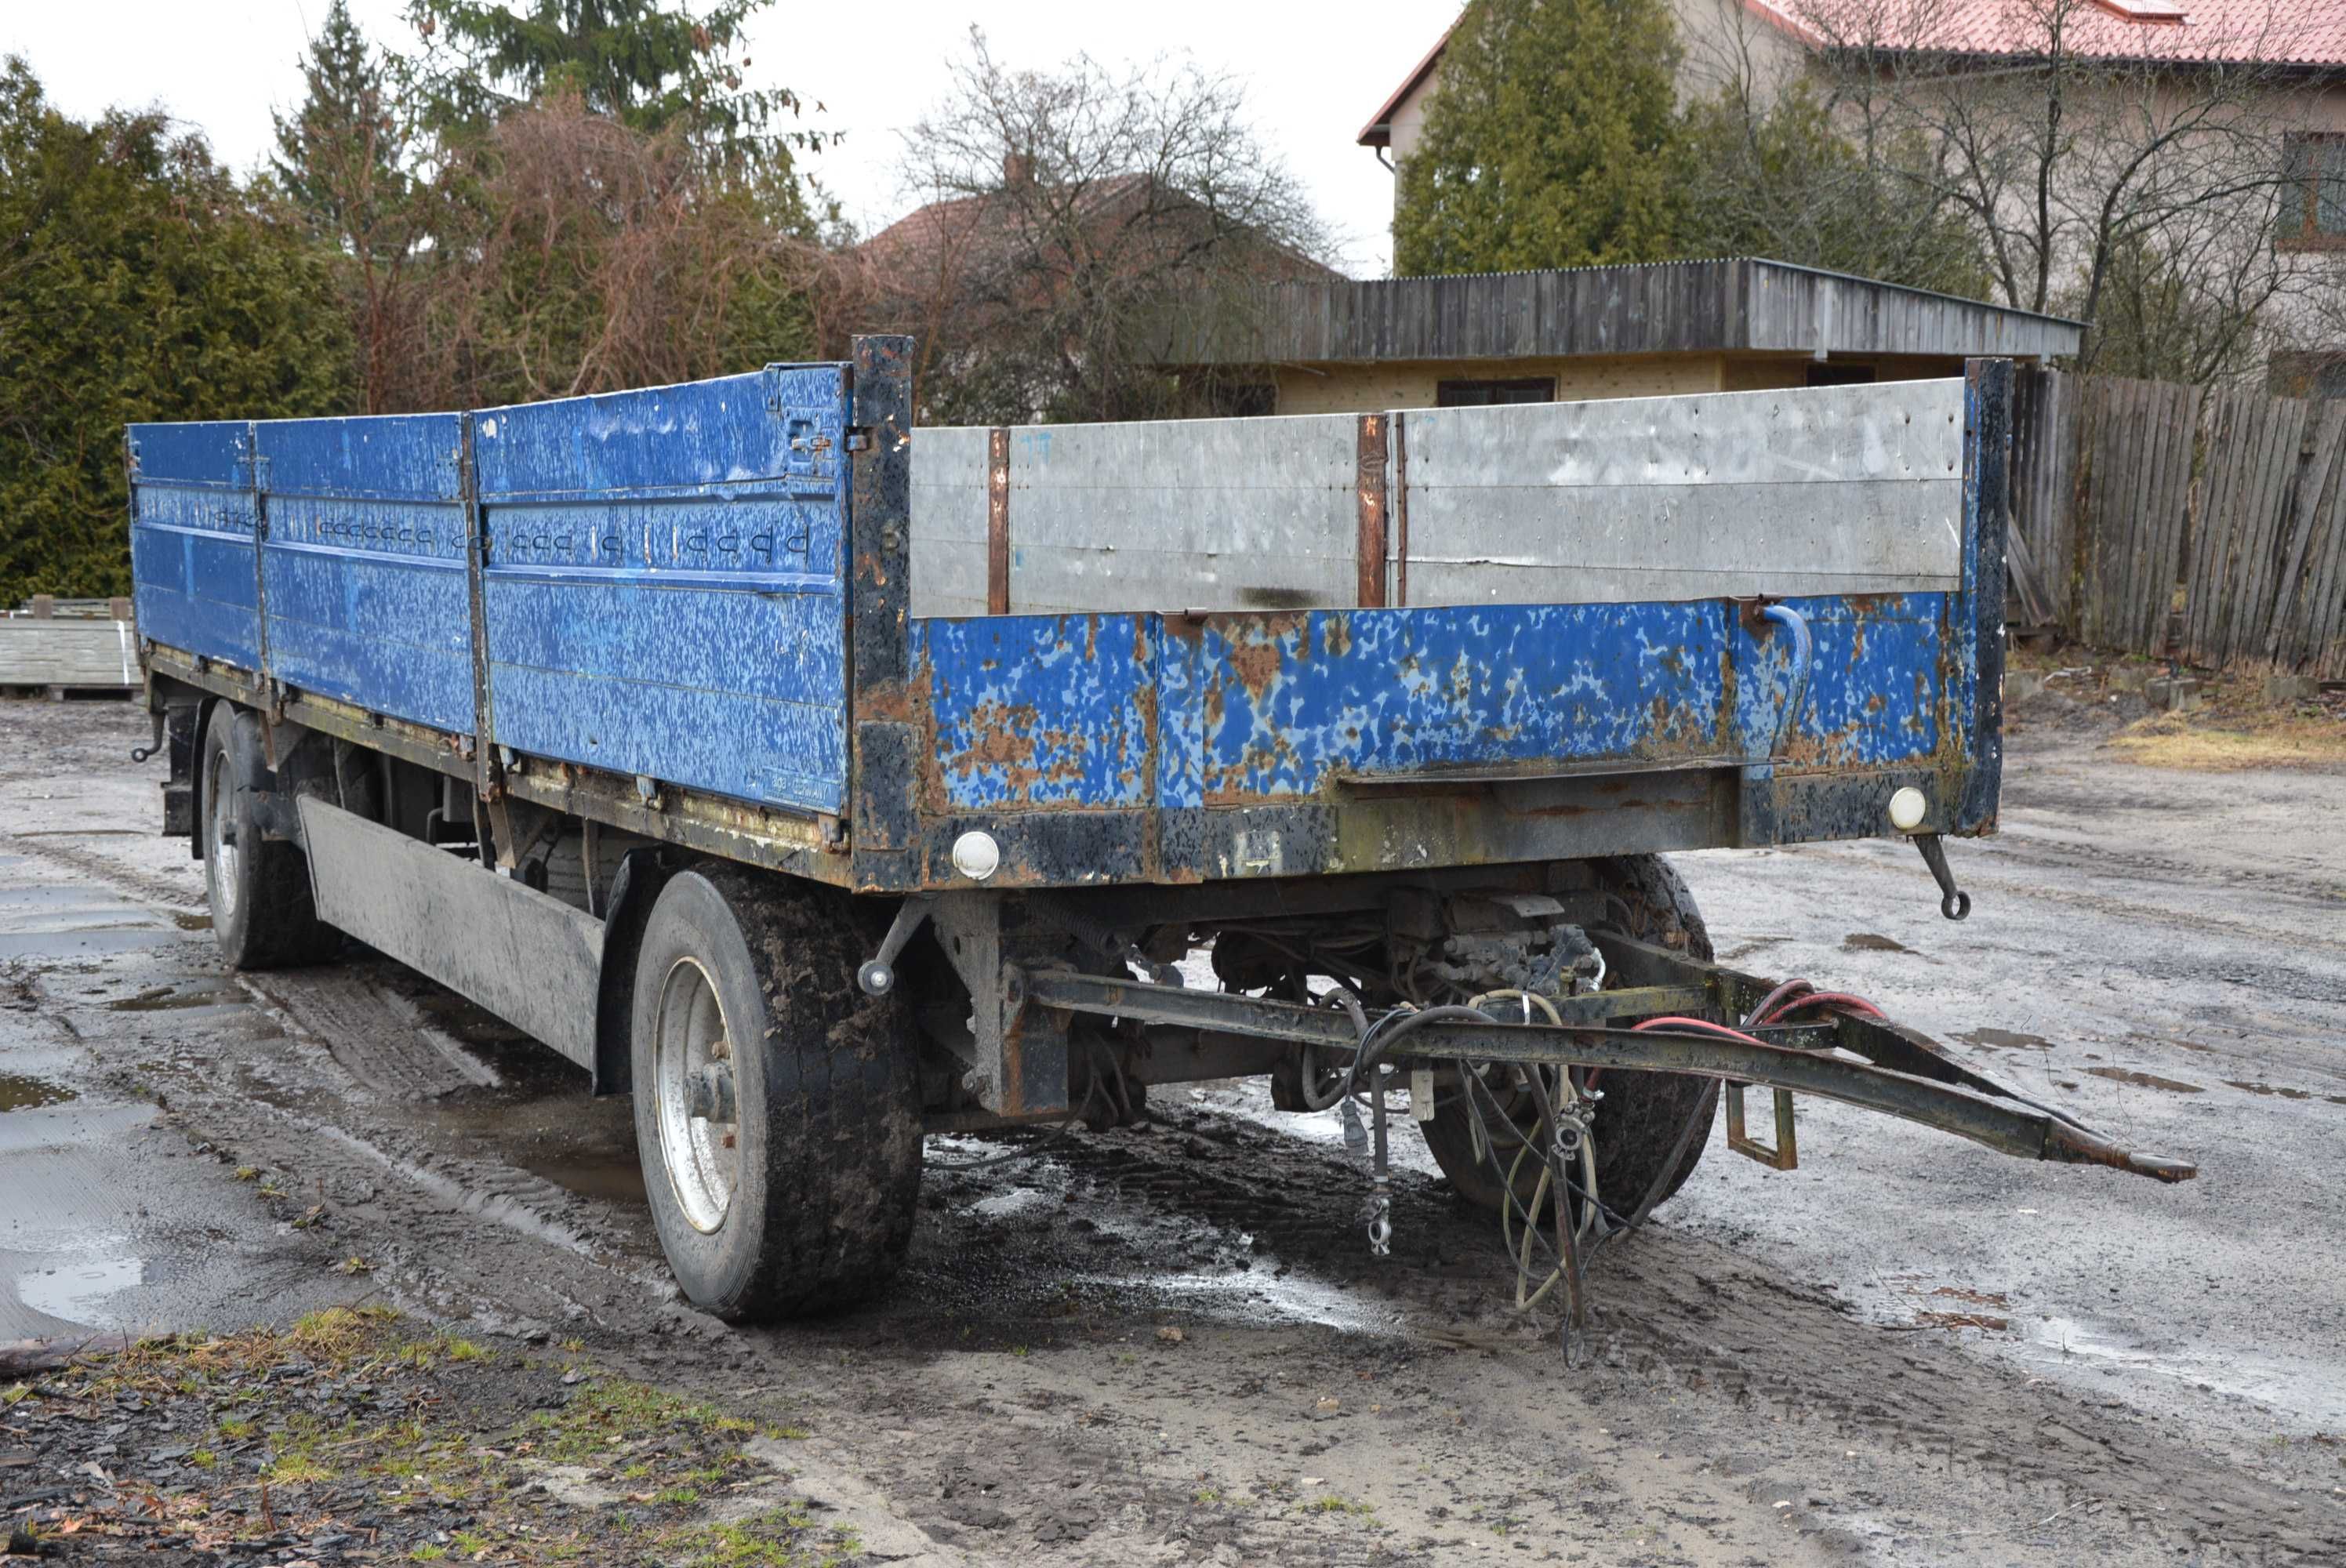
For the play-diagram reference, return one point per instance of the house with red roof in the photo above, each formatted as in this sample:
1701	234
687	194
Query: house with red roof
2296	50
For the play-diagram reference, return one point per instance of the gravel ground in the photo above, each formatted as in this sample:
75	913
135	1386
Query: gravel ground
1166	1344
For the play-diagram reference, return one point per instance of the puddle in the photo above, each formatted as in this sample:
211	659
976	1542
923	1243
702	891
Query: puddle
18	1093
87	833
2273	1381
1260	1294
71	1289
169	999
1017	1200
610	1181
2270	1089
1867	941
2005	1040
187	920
2145	1080
89	942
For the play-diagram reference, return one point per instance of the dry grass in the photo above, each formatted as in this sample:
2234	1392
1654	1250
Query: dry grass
2226	737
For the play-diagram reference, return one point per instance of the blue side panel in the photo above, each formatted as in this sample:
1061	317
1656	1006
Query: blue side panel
1110	712
664	588
1041	710
191	538
364	563
1288	703
1874	693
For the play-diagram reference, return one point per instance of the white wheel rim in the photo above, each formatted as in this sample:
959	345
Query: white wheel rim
701	1157
219	852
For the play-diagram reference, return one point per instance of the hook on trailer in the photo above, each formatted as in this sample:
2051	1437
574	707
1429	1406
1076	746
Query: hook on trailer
1954	903
1804	647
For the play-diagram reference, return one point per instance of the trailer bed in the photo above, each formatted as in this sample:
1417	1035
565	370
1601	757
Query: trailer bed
762	614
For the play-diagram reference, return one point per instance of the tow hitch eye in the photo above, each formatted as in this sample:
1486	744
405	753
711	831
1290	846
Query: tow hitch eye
708	1093
1954	903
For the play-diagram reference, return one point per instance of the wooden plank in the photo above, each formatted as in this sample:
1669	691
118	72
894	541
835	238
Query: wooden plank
2063	499
2211	536
2253	601
2180	434
67	651
2326	623
2314	485
2128	585
2257	428
2143	560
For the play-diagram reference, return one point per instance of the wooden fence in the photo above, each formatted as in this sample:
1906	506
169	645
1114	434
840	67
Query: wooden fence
2162	520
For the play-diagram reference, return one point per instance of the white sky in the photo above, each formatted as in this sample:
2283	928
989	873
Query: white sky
1315	70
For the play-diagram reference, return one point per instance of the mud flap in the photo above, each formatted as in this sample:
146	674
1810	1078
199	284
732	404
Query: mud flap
528	957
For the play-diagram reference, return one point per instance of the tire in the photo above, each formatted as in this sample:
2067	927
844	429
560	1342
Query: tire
1642	1114
259	889
808	1209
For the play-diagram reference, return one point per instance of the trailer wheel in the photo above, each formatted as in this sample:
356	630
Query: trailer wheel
778	1110
1642	1114
258	888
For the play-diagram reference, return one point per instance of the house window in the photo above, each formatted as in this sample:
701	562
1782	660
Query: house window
1482	394
2313	174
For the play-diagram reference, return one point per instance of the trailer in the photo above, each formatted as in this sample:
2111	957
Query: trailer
826	783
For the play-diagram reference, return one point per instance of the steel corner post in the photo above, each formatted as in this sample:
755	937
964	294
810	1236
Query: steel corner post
1978	697
883	824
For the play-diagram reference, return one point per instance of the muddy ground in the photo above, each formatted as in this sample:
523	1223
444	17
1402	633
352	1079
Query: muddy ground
1908	1351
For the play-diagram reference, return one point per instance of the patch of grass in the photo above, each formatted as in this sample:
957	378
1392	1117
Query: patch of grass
1332	1503
2181	740
248	1173
777	1538
416	1438
15	1394
1206	1495
300	1469
2239	728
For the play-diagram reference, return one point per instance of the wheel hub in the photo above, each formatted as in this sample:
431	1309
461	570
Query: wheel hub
693	1092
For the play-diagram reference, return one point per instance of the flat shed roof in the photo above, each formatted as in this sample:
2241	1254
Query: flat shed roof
1745	304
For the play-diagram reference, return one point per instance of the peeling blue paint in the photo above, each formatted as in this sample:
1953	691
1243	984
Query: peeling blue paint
194	584
664	582
364	563
665	586
1250	708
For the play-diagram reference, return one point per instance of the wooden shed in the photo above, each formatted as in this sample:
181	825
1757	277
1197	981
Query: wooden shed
1736	324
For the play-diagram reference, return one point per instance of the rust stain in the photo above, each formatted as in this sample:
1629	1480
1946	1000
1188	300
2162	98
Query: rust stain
1254	652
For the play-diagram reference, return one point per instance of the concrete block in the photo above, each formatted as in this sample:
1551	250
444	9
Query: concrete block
2176	694
2291	688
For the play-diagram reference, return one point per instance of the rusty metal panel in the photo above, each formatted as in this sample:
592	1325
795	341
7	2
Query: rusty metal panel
1371	557
1029	711
950	520
1843	490
1208	514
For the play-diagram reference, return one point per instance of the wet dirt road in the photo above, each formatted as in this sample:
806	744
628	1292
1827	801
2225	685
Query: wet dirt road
2163	951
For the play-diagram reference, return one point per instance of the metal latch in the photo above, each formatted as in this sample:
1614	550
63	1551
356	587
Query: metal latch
1786	1155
